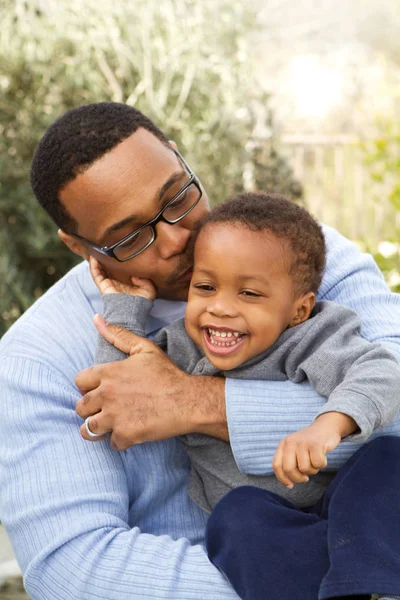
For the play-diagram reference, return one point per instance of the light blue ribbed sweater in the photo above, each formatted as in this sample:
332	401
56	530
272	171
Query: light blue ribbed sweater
87	522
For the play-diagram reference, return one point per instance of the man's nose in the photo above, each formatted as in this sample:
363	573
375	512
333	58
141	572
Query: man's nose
172	239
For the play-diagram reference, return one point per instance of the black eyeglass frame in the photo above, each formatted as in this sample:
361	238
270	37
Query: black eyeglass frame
109	250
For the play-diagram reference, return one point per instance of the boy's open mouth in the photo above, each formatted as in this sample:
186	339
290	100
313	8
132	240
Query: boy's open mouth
222	340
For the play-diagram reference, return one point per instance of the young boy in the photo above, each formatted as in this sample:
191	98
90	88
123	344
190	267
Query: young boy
251	312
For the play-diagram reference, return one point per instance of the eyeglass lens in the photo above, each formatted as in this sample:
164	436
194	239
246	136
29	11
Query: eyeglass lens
138	242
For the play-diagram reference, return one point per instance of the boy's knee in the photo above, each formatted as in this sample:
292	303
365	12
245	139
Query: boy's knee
385	446
234	505
229	521
241	508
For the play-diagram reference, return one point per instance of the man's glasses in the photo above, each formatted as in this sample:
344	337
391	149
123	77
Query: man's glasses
174	211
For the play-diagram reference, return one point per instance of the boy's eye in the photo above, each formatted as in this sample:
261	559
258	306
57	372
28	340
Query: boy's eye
249	293
204	286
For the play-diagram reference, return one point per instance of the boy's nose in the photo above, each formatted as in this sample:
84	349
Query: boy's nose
222	307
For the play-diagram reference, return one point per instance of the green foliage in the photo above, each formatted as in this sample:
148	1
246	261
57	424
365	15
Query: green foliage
383	160
184	63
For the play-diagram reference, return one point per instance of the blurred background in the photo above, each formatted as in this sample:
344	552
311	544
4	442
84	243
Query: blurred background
298	97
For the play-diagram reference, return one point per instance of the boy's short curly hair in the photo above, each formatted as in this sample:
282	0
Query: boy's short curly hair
287	221
73	143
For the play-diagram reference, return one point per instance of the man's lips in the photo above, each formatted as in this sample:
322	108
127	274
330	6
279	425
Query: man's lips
186	275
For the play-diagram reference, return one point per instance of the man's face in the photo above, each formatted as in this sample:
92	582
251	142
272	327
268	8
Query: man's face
241	295
120	192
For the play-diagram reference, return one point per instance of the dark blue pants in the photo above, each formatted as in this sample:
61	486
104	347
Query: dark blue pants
347	545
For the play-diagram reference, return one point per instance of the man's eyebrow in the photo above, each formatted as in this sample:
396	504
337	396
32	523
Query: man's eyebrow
132	219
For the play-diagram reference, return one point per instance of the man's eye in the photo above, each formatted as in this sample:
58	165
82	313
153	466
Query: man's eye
130	243
179	201
180	198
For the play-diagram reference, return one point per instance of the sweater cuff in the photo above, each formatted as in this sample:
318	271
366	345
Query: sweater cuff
128	311
260	414
358	407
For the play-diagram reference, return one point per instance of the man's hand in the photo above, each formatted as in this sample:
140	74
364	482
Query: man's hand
147	397
304	453
107	285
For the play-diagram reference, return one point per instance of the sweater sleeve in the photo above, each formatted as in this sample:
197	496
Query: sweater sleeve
66	503
260	413
128	311
359	379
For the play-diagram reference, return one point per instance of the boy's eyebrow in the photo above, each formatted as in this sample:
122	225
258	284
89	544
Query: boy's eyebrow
257	278
243	279
132	219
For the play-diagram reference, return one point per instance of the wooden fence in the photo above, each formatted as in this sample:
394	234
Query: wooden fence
338	188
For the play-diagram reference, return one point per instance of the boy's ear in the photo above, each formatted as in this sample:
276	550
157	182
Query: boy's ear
173	144
73	244
303	308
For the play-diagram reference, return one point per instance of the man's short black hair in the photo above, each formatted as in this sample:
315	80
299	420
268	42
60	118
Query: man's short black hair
73	143
288	222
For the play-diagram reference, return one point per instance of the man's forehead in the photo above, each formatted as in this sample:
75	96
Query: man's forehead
141	154
123	185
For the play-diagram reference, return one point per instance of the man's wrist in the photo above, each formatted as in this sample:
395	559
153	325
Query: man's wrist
206	406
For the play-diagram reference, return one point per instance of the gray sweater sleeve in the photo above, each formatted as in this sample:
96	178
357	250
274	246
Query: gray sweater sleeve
131	312
359	379
128	311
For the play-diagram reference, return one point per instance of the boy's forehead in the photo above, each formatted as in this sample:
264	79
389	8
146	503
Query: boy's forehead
246	253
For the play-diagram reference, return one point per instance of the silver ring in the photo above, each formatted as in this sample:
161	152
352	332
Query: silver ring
90	433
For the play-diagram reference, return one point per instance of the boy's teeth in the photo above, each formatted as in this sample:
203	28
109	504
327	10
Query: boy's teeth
234	337
233	343
223	333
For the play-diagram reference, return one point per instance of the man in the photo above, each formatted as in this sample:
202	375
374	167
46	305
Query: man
87	521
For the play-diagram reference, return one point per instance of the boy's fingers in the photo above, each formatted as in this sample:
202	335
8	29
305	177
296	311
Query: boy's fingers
318	457
290	467
278	469
146	286
304	462
95	270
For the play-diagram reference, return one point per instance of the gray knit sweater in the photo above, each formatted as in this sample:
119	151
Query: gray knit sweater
358	378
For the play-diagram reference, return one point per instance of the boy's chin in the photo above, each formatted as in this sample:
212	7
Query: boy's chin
225	363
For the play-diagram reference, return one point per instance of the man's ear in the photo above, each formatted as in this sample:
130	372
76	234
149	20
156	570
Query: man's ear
173	144
73	244
303	308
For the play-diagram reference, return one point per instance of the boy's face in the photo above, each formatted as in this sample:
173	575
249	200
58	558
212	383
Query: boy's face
241	296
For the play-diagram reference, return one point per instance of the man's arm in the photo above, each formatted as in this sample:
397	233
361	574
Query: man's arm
177	410
66	504
260	413
147	397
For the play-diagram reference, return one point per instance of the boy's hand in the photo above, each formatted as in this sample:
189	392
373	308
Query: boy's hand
106	285
304	453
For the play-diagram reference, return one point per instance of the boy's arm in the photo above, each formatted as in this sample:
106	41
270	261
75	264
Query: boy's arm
360	379
260	413
130	312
